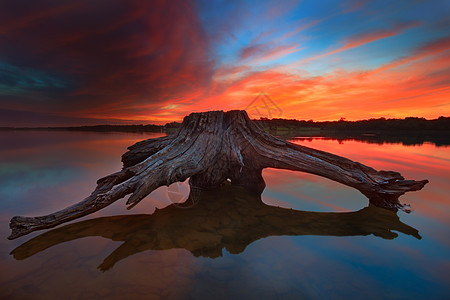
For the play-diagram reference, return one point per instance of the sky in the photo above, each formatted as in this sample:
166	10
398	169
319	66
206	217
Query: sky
85	62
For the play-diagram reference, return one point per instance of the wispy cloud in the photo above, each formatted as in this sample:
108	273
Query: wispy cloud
266	52
15	17
354	5
364	38
428	49
297	30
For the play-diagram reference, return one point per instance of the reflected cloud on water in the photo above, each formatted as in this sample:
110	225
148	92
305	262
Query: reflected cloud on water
229	218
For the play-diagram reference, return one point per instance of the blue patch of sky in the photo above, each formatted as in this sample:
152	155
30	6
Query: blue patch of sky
429	11
219	19
396	47
248	21
17	80
373	54
377	53
237	24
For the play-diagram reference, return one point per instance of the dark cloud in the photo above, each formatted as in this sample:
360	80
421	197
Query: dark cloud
84	56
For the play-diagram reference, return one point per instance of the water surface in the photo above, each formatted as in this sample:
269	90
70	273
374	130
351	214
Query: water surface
230	251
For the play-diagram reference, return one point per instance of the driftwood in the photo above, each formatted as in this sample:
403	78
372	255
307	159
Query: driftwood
230	218
210	148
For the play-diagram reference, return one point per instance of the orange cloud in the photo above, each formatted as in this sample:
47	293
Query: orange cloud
416	85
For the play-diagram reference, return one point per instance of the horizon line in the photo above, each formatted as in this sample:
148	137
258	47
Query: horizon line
343	119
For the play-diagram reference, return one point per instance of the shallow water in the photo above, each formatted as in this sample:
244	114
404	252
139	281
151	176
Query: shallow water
234	248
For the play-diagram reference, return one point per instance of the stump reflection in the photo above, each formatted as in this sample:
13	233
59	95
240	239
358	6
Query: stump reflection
229	217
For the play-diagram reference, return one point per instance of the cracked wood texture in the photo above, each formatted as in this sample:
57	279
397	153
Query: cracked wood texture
209	148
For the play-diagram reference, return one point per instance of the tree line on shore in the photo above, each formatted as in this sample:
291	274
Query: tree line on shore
380	124
409	124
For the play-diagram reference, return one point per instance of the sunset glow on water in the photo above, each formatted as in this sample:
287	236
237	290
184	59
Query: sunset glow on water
42	172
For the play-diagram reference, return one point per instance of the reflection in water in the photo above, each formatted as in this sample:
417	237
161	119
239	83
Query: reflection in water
228	218
439	139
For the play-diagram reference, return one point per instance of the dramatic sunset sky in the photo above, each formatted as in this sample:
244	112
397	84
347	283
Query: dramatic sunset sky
108	61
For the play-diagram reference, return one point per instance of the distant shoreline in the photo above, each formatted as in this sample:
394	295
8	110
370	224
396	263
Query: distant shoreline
94	128
410	125
410	131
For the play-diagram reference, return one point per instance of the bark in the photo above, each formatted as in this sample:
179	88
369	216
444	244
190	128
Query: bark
230	218
210	148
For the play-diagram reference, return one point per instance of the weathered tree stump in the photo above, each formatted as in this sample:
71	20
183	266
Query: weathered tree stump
210	148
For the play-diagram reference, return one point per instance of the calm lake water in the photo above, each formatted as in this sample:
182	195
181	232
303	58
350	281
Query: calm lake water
232	248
